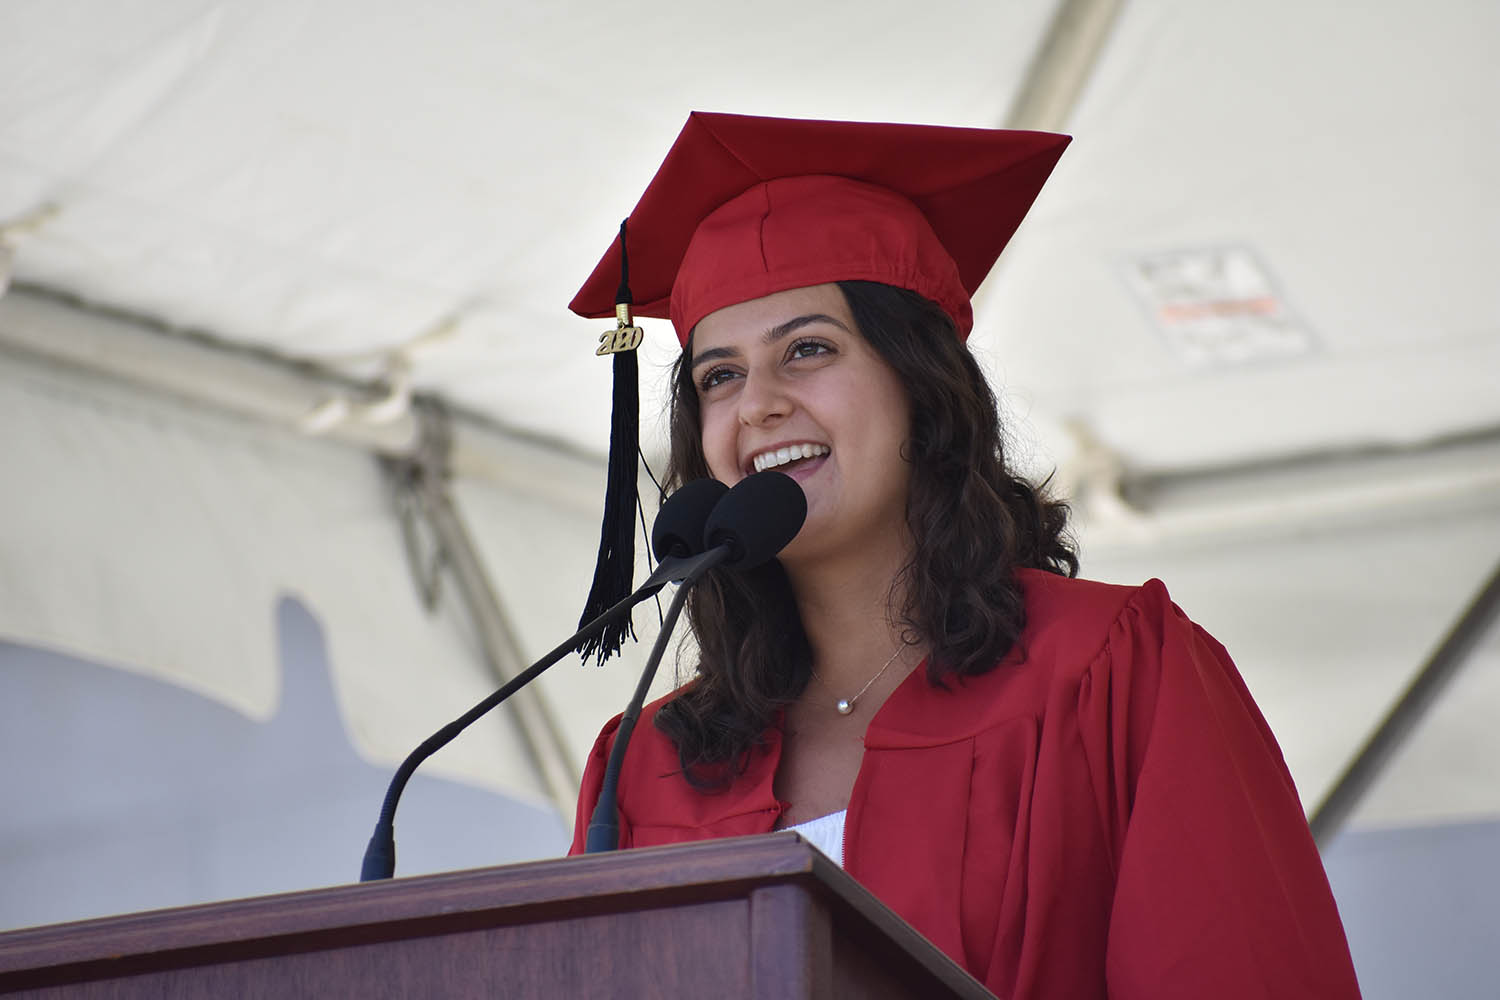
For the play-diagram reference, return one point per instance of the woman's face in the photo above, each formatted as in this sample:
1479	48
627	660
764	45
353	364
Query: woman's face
788	382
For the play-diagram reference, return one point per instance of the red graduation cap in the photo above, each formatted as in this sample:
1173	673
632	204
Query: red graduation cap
742	207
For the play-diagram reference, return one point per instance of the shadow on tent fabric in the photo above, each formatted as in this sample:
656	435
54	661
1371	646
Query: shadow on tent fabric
1420	905
126	793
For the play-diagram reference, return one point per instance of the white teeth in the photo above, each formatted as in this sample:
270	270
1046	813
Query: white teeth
788	453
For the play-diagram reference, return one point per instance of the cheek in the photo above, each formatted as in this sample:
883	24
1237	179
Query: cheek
719	448
896	414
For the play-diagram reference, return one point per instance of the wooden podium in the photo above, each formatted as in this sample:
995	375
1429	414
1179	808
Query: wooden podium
763	917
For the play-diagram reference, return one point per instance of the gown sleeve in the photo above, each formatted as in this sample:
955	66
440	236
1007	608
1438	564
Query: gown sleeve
1219	888
593	780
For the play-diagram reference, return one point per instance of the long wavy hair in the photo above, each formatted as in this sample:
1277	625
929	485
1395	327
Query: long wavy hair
973	524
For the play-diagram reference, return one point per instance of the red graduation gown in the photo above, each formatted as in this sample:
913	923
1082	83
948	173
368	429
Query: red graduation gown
1105	814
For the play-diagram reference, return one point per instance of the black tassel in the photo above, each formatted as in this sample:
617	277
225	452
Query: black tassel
614	570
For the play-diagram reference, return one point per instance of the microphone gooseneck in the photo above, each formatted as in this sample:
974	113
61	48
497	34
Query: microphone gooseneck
749	525
685	513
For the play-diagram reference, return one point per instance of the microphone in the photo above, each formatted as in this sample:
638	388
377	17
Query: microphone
754	521
679	527
677	535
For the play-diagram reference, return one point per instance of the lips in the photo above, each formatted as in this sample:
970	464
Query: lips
784	455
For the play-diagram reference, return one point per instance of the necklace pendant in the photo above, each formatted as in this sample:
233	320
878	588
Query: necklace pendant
844	706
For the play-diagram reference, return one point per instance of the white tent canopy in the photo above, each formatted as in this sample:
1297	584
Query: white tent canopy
1252	323
336	180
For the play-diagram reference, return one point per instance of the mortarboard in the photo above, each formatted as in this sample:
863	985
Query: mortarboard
744	207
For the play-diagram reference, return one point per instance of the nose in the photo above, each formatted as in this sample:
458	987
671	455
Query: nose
762	400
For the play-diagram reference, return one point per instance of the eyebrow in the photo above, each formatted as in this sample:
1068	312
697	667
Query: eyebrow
770	336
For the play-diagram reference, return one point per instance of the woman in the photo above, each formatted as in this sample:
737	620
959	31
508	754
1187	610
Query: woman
1064	785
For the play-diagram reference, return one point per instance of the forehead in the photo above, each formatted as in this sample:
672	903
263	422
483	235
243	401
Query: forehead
747	322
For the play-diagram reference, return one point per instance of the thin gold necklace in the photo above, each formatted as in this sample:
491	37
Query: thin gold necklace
845	706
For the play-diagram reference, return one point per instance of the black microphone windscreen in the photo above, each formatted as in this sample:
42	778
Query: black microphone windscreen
678	530
757	518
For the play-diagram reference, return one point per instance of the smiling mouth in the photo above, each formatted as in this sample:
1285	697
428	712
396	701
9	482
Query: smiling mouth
788	455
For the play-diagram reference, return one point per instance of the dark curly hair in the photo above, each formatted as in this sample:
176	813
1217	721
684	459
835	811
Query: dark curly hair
973	524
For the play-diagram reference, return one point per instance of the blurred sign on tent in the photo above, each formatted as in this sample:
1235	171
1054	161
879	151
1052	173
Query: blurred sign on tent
1217	306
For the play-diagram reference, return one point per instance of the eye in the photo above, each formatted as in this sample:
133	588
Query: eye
715	377
808	347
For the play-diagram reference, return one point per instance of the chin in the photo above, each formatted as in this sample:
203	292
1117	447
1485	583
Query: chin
794	550
814	543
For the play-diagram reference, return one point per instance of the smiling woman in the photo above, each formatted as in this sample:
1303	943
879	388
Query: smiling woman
788	374
1064	785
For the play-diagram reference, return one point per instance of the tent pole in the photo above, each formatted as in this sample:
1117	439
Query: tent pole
426	473
1406	715
422	448
1063	64
1059	70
